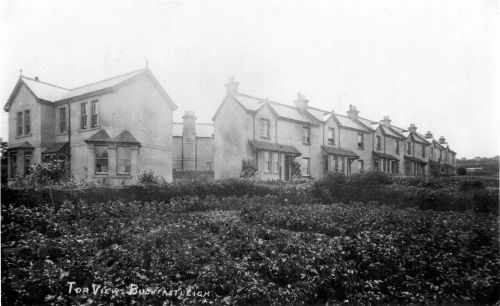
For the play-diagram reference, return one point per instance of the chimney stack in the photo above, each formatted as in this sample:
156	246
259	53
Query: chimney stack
428	135
442	140
36	79
352	112
232	87
386	121
301	102
412	128
189	141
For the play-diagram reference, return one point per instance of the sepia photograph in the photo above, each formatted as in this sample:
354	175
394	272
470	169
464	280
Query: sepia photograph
189	152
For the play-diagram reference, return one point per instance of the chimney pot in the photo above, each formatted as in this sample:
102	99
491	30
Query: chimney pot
442	140
352	112
428	135
301	102
412	128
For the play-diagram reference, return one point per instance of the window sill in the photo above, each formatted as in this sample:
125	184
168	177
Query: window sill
89	129
306	144
331	144
265	137
360	148
61	133
24	136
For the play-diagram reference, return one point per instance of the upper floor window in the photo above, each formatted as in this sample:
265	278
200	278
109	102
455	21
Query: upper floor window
19	119
361	141
27	122
101	159
83	116
331	136
306	135
397	147
62	120
123	160
265	126
94	114
306	166
423	151
408	148
379	143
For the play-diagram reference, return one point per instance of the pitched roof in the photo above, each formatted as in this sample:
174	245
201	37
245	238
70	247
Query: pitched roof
124	137
389	131
350	123
415	159
53	93
385	155
202	129
21	145
44	91
57	147
338	151
270	146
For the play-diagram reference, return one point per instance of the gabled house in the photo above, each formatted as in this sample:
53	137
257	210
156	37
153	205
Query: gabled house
442	159
105	131
388	155
416	151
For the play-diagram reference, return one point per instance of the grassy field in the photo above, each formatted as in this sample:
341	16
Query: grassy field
246	250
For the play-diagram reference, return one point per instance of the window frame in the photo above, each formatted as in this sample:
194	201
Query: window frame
123	159
361	165
331	140
267	163
13	164
94	113
19	124
379	142
397	146
275	162
265	128
27	122
63	120
84	122
26	169
361	144
306	135
96	158
307	167
423	151
408	148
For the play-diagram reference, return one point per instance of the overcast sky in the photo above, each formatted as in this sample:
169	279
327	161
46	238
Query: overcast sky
432	63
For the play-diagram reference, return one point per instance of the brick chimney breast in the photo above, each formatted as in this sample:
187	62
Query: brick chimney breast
301	102
232	87
352	112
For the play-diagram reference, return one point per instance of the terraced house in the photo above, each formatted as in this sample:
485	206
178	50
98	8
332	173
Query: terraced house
105	132
273	135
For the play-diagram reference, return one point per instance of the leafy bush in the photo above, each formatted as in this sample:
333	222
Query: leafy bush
461	171
269	254
47	173
295	169
248	168
370	178
149	177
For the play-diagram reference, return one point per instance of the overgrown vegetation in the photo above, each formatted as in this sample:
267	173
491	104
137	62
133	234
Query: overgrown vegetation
271	252
248	168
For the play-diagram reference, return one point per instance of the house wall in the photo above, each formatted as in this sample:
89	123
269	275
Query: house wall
233	128
204	153
177	153
349	141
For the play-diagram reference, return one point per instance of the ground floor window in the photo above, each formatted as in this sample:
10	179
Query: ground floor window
361	165
306	166
13	164
101	159
27	164
123	160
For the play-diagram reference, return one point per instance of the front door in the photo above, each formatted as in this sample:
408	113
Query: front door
286	172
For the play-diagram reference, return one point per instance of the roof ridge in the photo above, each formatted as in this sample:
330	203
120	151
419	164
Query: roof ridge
49	84
108	79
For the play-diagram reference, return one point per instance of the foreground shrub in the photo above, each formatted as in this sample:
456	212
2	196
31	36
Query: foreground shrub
276	254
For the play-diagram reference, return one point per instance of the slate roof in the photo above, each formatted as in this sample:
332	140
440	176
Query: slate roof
44	91
349	123
415	159
385	155
57	147
337	151
53	93
124	137
21	145
270	146
389	131
202	129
